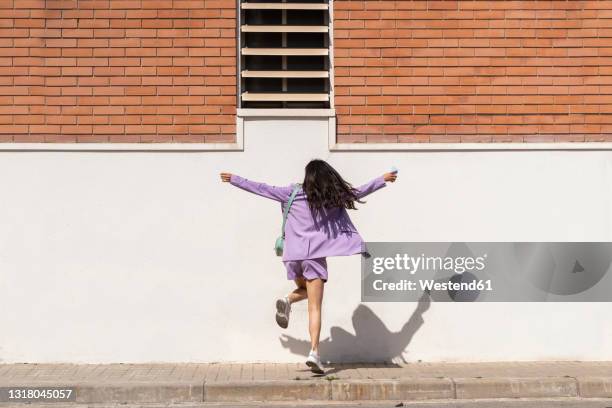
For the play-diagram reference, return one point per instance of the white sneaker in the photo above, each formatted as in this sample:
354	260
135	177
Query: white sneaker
314	363
283	310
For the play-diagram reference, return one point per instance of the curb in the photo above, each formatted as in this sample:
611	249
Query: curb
271	390
140	393
472	388
595	387
411	389
402	389
339	390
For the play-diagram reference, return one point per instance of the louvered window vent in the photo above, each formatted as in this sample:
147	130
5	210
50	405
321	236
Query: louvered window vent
284	54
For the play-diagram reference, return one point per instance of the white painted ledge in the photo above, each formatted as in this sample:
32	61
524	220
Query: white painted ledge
245	114
442	147
238	146
118	147
381	147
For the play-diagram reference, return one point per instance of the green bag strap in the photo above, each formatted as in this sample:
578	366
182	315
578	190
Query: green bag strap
289	202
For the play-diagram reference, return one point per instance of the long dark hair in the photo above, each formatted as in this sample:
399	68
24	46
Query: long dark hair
325	188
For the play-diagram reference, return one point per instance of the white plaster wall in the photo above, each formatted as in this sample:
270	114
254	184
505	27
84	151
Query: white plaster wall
146	256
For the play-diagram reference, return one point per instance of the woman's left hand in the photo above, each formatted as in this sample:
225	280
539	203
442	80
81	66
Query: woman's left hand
391	177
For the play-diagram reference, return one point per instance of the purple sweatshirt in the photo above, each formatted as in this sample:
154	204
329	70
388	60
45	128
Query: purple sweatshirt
330	233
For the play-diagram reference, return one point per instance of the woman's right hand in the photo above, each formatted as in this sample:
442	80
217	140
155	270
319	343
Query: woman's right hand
226	177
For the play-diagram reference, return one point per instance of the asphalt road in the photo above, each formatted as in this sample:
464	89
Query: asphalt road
534	403
498	403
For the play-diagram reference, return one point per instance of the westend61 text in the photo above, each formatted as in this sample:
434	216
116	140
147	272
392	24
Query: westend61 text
432	285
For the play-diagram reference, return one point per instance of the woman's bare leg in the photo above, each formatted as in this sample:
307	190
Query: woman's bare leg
314	289
283	306
299	293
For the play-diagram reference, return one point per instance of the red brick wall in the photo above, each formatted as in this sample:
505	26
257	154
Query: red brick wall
117	70
473	71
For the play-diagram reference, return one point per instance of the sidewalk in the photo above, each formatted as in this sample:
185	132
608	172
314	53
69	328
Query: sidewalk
175	383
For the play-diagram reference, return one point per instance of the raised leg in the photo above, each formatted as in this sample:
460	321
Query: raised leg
299	293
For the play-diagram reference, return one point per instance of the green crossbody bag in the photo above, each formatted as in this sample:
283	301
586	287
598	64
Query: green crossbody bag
280	241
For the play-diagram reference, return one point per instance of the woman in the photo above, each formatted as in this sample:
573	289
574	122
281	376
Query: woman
317	226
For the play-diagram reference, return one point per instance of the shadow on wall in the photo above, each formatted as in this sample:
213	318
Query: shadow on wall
372	341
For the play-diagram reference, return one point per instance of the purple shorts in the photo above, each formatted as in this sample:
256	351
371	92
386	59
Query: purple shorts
308	269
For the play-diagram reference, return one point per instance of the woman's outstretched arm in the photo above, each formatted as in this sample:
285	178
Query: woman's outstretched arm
376	184
272	192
